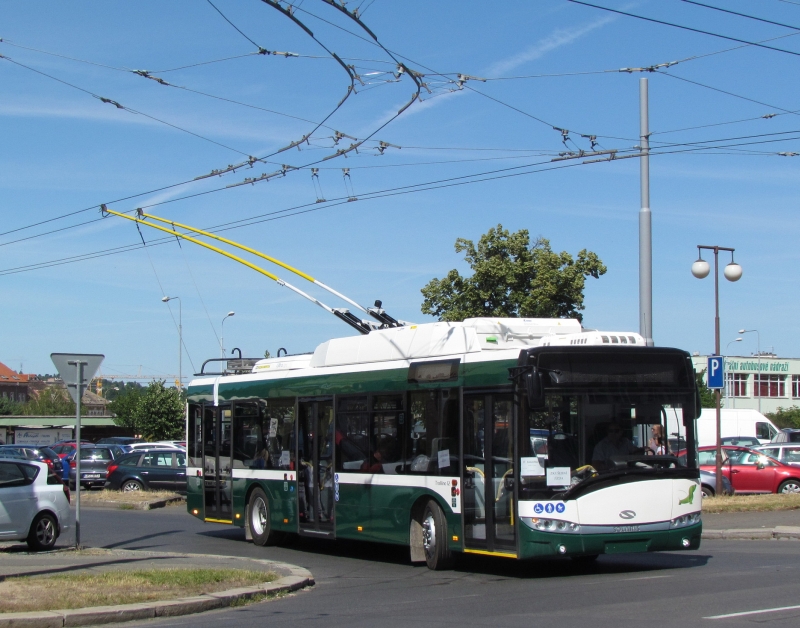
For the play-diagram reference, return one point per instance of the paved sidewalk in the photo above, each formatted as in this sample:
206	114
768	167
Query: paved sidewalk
18	562
777	524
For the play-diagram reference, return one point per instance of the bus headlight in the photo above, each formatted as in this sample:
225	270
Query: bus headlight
552	525
685	520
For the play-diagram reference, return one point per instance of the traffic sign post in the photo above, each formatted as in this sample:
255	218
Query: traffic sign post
716	372
76	371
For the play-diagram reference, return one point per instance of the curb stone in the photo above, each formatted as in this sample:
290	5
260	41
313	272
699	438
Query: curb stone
299	578
754	534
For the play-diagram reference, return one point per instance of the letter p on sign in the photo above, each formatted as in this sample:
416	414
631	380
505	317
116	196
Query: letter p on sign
716	377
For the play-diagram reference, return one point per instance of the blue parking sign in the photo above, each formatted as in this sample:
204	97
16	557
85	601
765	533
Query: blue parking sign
716	378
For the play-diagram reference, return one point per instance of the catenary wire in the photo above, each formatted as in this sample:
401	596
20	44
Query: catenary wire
238	30
312	207
686	28
745	15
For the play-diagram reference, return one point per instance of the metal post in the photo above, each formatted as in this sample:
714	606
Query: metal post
718	488
180	345
79	367
645	230
758	349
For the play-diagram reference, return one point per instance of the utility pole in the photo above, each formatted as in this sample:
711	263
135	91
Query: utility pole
645	231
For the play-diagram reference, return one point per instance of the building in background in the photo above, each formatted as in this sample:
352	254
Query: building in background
15	386
773	381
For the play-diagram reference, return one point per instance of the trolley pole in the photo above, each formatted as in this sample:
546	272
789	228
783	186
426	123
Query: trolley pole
645	231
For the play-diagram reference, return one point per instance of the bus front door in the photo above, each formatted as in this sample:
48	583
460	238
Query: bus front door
488	474
315	473
217	463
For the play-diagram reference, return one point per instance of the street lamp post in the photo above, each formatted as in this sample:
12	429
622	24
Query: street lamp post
222	334
180	338
757	383
728	386
733	272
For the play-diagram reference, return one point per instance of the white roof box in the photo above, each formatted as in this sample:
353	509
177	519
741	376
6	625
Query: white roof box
398	343
284	363
505	333
595	338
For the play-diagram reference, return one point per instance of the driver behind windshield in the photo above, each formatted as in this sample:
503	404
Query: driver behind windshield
613	445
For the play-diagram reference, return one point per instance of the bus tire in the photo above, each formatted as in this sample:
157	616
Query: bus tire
259	521
434	537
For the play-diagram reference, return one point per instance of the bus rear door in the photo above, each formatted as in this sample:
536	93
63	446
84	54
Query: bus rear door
217	463
315	472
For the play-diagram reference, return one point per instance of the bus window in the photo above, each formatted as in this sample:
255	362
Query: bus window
279	433
432	446
248	437
352	433
194	440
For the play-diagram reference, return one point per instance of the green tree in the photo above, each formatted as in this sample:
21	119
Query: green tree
52	401
159	414
707	398
785	417
512	277
9	407
125	407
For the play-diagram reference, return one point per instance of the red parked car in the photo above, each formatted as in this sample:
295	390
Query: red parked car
65	447
751	471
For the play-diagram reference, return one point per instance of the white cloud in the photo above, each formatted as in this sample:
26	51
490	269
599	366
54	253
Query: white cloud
558	38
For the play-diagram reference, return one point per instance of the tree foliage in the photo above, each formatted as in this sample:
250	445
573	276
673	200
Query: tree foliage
124	407
785	417
9	407
707	398
51	401
512	277
159	414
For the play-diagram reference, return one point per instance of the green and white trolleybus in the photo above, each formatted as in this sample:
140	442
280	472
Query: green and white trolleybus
488	436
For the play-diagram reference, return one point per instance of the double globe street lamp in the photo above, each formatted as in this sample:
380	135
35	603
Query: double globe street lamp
732	272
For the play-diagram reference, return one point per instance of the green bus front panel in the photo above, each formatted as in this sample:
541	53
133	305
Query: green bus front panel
194	496
535	544
282	497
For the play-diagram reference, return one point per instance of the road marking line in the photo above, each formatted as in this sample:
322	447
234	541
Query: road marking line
644	578
765	610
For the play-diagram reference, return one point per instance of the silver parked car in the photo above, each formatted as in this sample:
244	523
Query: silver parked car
787	453
34	503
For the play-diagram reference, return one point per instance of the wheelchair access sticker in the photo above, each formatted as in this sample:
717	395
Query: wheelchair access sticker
549	507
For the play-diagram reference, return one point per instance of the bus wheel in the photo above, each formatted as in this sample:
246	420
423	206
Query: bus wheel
258	513
434	537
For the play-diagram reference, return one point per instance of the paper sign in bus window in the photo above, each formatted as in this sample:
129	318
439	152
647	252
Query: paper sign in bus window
558	476
444	458
531	466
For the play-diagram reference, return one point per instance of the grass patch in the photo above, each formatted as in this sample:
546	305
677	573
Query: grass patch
132	497
43	593
751	503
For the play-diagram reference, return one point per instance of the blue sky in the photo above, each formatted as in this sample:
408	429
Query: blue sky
64	150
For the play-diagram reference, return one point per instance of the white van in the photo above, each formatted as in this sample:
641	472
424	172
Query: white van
734	422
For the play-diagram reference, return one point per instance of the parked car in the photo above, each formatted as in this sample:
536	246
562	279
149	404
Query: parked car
34	503
751	471
163	469
787	453
94	466
32	452
120	440
162	445
787	435
708	484
744	441
65	447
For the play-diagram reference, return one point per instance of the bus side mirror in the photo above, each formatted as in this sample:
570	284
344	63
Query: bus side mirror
535	389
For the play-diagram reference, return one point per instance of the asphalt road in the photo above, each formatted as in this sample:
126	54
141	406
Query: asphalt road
372	586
